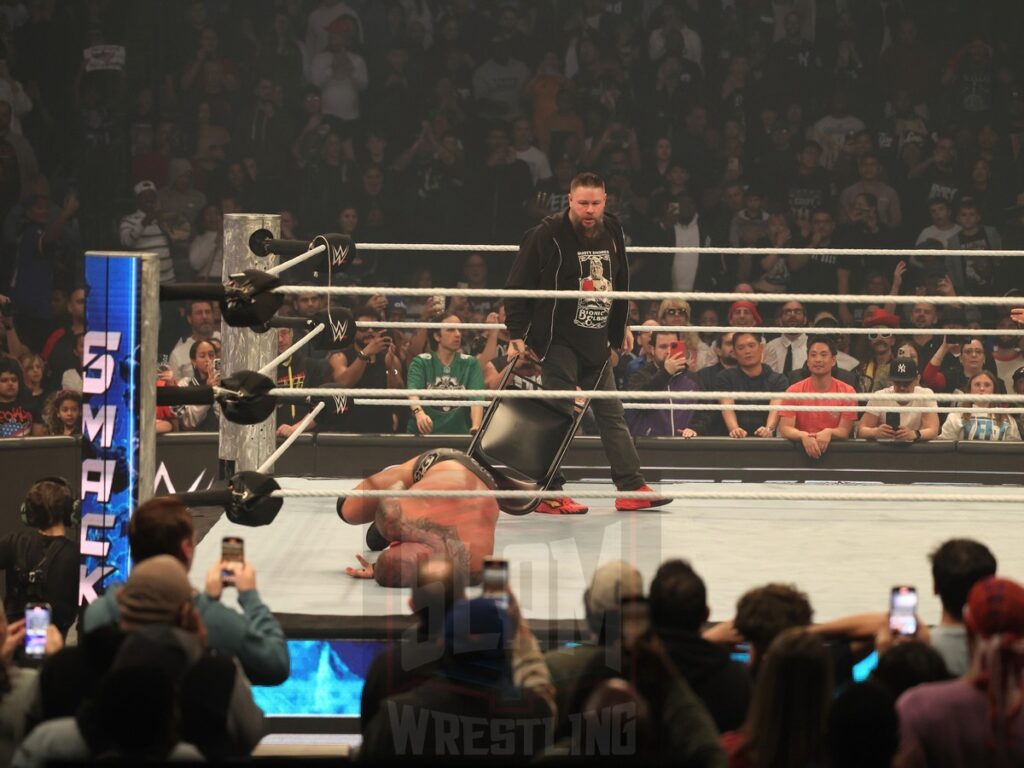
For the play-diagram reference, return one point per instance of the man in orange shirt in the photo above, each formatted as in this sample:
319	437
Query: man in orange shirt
816	429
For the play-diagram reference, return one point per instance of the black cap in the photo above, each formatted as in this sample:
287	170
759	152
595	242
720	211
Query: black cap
1018	374
903	369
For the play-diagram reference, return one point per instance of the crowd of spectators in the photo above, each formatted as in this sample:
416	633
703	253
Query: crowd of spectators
786	123
158	669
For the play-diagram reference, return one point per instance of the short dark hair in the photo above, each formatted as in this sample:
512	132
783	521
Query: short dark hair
736	335
828	340
435	334
194	349
10	365
586	179
158	527
906	665
46	502
765	612
365	310
678	598
956	566
191	304
653	340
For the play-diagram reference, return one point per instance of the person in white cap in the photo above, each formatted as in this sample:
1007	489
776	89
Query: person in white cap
142	230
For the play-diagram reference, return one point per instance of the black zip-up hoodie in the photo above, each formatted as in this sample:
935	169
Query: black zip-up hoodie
542	254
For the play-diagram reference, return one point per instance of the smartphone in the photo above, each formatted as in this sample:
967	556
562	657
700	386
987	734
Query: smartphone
232	550
439	303
678	349
216	365
37	621
892	418
164	364
496	580
903	610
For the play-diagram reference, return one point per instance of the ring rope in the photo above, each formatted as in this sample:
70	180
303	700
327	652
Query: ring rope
531	293
606	394
713	406
911	252
781	329
681	491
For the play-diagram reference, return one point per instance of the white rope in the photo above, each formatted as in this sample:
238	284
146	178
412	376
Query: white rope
712	406
301	427
297	260
681	491
781	329
606	394
904	252
271	367
524	293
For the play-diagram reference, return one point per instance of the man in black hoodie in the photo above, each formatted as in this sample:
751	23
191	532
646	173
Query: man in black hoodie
678	608
581	249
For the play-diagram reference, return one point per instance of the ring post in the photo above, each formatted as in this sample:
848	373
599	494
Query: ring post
247	446
122	310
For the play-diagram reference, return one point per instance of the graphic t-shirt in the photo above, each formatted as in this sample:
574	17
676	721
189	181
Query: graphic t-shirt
428	372
582	323
813	422
16	420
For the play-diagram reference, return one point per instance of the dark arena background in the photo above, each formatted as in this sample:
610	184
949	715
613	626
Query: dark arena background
701	319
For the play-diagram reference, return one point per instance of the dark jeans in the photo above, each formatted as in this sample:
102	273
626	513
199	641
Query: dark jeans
563	369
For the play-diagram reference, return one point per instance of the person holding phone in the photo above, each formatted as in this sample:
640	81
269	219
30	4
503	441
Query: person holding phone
410	530
881	424
670	361
200	418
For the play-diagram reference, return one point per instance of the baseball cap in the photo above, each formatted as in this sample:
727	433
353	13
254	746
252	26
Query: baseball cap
144	186
155	592
881	317
1018	374
612	582
903	369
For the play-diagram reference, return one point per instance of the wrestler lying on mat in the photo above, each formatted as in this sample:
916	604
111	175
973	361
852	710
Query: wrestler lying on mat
413	529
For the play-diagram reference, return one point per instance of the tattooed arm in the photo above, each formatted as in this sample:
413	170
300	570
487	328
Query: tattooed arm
415	540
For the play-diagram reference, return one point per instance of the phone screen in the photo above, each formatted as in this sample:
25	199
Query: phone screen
903	611
496	579
37	620
678	349
892	419
232	549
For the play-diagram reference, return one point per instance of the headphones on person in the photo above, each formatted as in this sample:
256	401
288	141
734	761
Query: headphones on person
37	516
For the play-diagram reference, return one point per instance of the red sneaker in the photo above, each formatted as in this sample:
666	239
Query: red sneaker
563	506
632	505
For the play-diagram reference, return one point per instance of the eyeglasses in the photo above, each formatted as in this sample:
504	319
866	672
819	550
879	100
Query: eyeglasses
675	311
879	335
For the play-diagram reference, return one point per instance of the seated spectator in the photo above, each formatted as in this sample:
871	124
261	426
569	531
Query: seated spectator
372	362
743	314
62	413
413	660
942	227
40	562
863	730
751	224
972	276
750	375
796	670
492	670
980	426
678	610
204	358
815	430
199	315
974	719
668	369
612	583
954	377
909	663
788	351
163	526
873	374
447	368
869	168
299	371
33	393
910	427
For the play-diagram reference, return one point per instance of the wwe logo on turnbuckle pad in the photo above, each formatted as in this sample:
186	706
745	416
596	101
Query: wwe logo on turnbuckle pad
339	328
338	248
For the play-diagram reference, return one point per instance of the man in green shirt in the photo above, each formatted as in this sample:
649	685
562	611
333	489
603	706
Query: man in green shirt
445	368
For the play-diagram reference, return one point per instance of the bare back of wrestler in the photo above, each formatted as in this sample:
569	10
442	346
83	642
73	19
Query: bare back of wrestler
418	528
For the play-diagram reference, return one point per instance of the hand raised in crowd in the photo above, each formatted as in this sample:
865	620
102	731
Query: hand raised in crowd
897	277
391	359
1017	315
245	576
676	363
378	343
627	341
430	309
424	424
